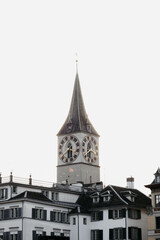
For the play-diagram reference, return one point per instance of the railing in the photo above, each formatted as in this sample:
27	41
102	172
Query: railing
27	181
39	183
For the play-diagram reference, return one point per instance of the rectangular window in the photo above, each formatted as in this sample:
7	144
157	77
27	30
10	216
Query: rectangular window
74	221
96	234
14	212
55	196
134	233
84	221
39	213
1	237
14	237
134	213
3	193
157	200
117	233
157	222
97	216
116	214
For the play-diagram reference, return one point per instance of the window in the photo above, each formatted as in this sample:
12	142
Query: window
36	234
1	237
39	213
14	189
157	179
57	216
96	234
74	221
157	222
97	216
117	233
106	198
84	221
3	193
117	213
14	212
134	213
95	199
157	200
14	236
45	193
55	196
134	233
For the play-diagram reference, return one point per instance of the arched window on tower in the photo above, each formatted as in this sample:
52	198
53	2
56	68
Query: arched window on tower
69	150
89	146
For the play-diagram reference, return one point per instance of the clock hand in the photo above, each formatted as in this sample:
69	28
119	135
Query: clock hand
93	151
87	152
65	152
73	150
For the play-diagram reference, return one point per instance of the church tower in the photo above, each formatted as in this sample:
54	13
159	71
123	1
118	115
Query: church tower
78	144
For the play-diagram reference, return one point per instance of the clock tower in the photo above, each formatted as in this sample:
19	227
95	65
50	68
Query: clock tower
78	144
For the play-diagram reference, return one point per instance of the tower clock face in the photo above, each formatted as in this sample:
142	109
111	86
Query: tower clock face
69	148
90	149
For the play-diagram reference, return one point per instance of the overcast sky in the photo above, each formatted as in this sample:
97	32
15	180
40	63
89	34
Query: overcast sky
118	46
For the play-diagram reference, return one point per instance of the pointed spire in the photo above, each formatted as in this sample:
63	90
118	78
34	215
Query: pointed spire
77	120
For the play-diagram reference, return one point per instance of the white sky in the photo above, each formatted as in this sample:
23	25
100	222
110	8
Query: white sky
118	45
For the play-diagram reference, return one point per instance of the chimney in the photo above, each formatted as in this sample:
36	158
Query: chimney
130	182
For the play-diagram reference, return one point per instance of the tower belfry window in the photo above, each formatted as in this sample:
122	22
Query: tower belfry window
69	150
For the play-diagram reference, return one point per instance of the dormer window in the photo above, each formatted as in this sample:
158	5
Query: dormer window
95	199
106	196
129	195
158	179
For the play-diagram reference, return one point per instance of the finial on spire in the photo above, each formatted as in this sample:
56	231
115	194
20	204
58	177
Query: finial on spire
76	62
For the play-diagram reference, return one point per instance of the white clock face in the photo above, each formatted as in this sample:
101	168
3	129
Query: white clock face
90	149
69	148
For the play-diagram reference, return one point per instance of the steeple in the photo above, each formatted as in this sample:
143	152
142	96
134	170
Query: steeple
77	119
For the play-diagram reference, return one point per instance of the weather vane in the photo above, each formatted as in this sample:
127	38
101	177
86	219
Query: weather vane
77	62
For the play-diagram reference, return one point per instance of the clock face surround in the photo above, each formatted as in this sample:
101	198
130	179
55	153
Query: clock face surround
90	149
69	149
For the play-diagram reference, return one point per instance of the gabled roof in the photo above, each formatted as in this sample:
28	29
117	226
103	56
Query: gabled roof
155	183
37	196
118	198
77	119
32	195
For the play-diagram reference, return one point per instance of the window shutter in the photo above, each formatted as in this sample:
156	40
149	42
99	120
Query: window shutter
63	217
139	234
33	214
44	214
19	212
6	193
6	214
139	214
124	233
129	213
51	216
100	215
34	235
110	214
6	235
100	234
124	213
19	235
110	234
129	232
